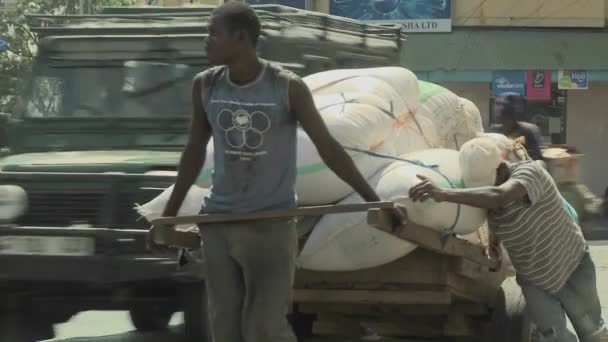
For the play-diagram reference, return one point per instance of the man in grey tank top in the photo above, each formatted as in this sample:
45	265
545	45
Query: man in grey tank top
251	109
546	246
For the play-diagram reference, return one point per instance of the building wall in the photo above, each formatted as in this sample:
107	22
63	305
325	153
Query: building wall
558	13
587	130
554	13
535	13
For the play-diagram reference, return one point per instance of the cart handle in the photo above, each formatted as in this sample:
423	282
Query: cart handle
164	233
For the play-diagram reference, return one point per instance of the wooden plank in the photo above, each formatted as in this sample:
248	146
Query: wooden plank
372	297
468	268
428	238
470	290
376	285
385	310
273	214
420	267
163	231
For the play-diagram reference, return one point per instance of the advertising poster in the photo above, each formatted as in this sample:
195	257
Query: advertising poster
509	82
539	85
413	15
572	79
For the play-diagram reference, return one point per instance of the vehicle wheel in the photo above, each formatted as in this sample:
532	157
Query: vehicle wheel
509	321
150	317
19	327
193	299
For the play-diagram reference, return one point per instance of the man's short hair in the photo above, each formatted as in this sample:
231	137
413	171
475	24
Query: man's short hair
238	16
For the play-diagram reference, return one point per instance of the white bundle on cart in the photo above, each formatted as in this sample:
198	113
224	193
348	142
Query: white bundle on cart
342	242
457	120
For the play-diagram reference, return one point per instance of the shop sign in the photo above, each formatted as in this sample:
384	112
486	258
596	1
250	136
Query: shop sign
572	79
538	85
412	15
513	82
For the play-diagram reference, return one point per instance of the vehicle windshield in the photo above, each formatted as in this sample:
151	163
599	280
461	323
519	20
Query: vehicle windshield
131	89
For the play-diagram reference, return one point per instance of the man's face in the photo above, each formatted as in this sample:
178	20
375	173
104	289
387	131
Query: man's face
222	45
502	174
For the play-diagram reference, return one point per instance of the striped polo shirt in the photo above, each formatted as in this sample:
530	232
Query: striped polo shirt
543	241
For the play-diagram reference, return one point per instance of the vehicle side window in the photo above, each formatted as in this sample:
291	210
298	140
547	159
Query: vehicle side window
47	97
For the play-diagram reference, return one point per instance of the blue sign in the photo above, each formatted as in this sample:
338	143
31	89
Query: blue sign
413	15
3	43
291	3
512	82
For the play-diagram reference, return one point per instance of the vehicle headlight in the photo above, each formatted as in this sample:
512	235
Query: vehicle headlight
13	202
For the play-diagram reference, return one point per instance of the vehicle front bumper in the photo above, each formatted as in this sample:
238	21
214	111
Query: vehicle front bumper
120	256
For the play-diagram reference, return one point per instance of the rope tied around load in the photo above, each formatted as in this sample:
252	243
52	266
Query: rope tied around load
434	167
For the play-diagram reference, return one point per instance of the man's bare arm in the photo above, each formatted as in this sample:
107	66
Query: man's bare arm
332	153
491	197
193	157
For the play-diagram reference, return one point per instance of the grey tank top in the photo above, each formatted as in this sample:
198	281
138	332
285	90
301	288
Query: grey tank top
254	137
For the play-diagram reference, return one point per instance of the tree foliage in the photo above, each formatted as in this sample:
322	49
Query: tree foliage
16	62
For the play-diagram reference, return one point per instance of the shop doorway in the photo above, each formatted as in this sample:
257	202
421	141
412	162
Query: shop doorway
549	115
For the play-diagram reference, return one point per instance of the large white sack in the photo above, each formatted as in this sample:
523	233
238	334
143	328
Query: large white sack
365	120
357	119
468	122
192	205
441	166
317	184
511	150
401	80
343	242
472	115
440	105
416	133
364	125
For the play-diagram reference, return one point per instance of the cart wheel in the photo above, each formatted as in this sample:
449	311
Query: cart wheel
301	323
150	317
193	298
20	327
509	321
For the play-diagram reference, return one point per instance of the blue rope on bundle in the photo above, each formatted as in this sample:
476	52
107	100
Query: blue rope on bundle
448	233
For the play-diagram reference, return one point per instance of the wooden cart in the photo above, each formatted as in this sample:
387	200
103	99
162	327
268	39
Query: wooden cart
448	291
